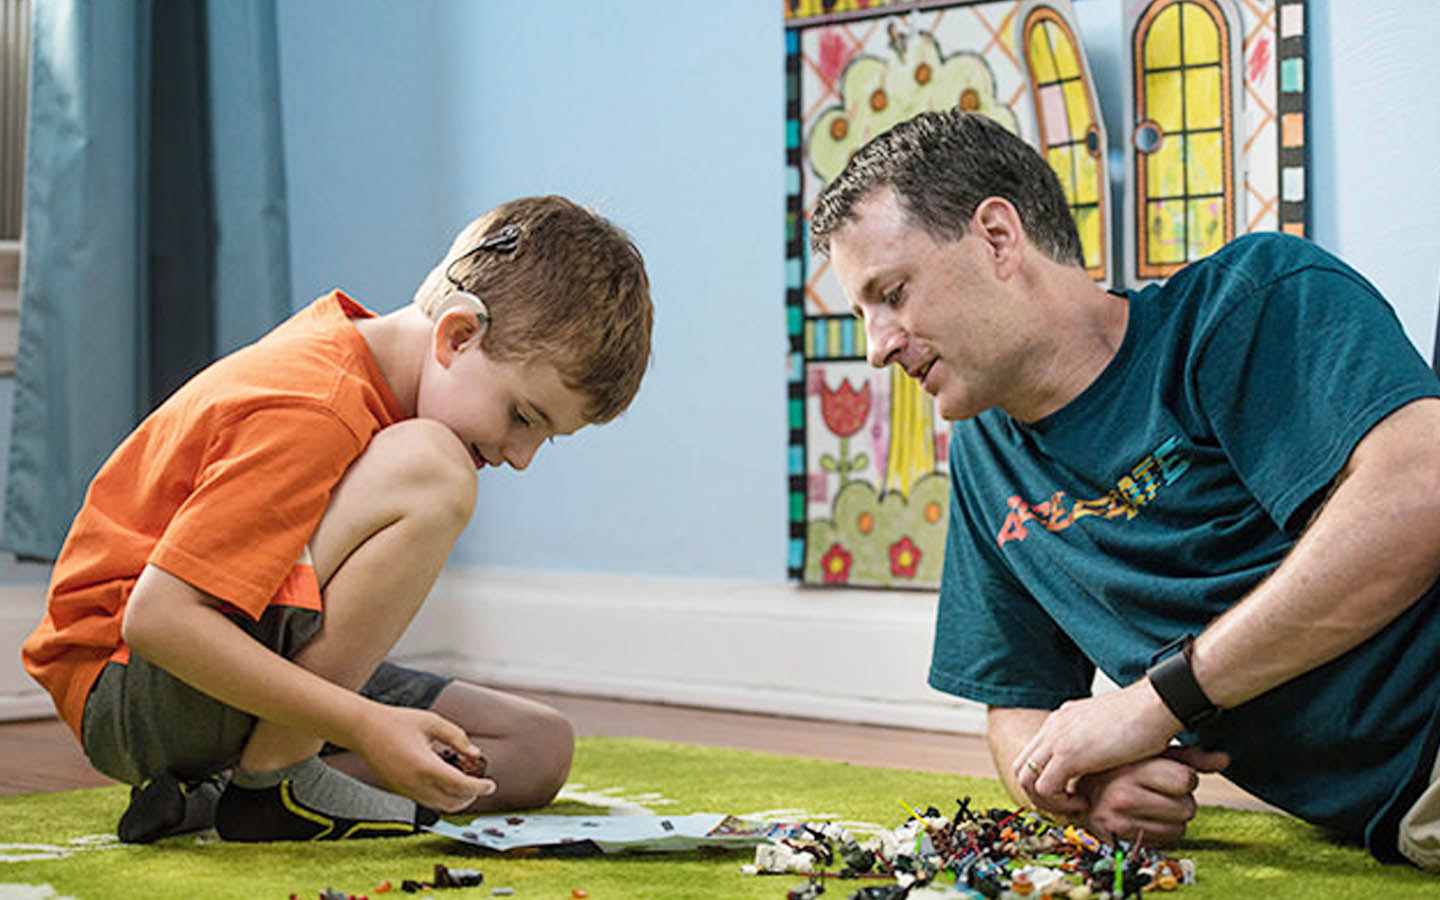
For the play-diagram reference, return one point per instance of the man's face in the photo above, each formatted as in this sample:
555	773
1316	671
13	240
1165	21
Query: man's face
934	309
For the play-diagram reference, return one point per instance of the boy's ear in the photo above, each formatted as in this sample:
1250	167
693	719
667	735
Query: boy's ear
460	322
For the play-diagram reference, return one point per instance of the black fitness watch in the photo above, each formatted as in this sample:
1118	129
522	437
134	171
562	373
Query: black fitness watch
1173	679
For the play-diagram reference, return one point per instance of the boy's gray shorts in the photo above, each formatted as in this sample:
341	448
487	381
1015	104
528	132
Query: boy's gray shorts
141	721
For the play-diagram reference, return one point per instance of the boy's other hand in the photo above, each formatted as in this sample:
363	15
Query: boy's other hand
398	747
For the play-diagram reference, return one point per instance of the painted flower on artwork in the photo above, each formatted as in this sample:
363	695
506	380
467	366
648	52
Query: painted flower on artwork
845	409
904	558
835	565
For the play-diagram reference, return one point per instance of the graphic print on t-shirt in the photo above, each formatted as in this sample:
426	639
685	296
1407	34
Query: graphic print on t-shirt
1132	491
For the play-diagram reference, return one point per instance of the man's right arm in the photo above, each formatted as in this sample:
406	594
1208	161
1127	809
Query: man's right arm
1154	795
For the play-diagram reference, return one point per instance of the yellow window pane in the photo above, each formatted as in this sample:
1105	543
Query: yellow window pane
1163	99
1065	62
1202	38
1041	59
1062	160
1202	97
1206	227
1165	228
1087	177
1077	107
1162	41
1165	169
1204	163
1087	222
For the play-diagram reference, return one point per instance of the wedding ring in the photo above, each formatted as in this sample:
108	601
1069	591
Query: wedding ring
1033	767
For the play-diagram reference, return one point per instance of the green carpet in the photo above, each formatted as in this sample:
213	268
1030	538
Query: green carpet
65	840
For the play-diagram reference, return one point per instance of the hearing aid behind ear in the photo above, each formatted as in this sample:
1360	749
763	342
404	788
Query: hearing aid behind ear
463	299
503	240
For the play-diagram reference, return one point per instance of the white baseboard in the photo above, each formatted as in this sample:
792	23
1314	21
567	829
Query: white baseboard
844	655
848	655
21	608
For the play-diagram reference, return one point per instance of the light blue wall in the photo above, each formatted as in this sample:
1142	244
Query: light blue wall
1375	127
403	120
667	117
366	144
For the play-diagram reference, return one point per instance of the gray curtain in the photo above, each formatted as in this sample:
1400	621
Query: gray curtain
155	228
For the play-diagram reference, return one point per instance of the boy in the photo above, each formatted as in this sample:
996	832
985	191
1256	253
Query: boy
246	558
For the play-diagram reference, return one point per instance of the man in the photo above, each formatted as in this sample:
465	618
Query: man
1224	492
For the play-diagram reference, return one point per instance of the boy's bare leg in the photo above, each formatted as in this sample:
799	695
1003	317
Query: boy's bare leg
528	745
391	523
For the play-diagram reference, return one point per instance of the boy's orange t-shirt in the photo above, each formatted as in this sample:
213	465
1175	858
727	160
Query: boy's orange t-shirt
221	486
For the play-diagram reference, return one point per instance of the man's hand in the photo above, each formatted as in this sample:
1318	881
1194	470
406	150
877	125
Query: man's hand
1089	736
1154	795
397	747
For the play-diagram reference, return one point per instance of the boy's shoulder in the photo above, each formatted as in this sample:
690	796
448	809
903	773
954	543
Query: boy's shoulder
315	360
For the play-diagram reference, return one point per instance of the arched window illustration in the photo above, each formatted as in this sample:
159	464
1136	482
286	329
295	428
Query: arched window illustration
1072	135
1182	142
867	455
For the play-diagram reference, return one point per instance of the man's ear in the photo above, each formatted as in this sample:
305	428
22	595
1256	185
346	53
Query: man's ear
460	322
997	222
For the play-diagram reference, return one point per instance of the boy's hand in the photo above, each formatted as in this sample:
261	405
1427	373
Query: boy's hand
398	748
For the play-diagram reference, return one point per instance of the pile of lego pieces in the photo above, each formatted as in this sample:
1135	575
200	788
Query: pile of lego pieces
995	854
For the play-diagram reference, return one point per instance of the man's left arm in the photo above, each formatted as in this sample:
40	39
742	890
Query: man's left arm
1368	554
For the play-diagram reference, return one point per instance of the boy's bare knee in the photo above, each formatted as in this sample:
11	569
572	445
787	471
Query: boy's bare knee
414	473
552	741
549	748
426	461
530	744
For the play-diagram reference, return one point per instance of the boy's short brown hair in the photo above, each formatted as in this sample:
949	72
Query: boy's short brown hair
572	292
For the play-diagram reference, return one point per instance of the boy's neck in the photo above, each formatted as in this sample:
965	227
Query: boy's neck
399	341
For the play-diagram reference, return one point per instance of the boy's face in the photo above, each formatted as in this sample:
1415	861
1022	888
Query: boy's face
502	411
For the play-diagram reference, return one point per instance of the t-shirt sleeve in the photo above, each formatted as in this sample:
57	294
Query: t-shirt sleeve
259	492
1293	375
994	643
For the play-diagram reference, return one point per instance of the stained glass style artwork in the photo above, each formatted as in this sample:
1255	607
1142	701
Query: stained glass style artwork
869	496
867	459
1215	143
1184	60
1071	131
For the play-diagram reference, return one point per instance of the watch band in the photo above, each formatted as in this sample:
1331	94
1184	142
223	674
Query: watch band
1173	679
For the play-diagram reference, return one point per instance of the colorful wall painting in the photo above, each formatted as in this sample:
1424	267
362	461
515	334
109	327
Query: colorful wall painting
1215	143
868	488
1070	130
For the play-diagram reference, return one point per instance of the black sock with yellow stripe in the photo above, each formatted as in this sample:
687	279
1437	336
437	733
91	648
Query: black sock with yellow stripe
310	801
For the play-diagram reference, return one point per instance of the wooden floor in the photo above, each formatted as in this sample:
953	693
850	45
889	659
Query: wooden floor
42	755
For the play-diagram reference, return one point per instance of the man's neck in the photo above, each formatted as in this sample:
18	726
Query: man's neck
1085	327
